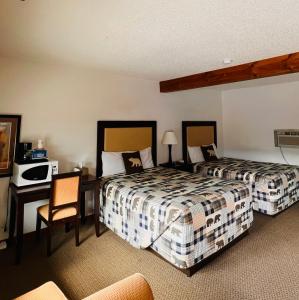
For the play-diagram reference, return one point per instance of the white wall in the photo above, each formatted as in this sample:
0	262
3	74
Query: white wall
250	115
61	105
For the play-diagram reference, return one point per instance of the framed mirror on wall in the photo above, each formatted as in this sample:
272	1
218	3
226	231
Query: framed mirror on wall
10	126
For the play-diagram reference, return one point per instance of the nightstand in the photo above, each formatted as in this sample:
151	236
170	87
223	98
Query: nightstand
178	165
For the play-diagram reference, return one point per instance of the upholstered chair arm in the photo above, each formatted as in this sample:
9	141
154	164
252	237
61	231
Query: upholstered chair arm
134	287
47	291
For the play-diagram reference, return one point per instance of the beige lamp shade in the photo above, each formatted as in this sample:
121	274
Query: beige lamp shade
169	138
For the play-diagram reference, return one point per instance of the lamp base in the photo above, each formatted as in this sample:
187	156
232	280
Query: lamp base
170	154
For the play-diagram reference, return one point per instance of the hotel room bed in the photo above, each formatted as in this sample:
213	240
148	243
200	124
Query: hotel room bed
274	186
183	217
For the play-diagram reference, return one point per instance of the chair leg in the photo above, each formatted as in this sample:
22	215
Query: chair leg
49	240
38	226
67	227
77	232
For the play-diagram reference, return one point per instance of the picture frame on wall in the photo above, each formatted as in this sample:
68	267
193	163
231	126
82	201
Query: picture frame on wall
10	126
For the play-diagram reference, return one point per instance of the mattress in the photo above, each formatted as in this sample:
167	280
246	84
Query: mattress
182	216
274	186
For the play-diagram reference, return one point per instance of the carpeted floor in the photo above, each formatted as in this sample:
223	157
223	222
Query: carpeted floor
263	265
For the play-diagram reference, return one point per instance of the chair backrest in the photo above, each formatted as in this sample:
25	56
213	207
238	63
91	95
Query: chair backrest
65	191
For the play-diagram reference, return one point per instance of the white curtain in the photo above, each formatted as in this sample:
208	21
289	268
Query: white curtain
4	182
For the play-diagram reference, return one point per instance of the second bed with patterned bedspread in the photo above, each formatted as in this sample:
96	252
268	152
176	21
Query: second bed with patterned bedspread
274	186
182	216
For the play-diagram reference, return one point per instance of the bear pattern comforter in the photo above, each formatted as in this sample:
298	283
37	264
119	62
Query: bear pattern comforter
274	186
182	216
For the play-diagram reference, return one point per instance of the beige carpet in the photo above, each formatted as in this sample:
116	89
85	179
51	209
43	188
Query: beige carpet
263	265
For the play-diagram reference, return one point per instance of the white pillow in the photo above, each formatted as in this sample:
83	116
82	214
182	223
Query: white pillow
146	158
215	150
195	154
112	162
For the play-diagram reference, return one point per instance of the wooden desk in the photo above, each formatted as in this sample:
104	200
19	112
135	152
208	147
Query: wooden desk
22	195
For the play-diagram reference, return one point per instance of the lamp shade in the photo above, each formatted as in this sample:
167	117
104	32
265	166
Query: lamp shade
169	138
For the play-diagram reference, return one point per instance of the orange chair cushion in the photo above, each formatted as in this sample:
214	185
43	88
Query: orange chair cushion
134	287
47	291
66	190
58	214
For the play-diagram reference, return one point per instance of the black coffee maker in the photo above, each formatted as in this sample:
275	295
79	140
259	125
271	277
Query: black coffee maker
23	153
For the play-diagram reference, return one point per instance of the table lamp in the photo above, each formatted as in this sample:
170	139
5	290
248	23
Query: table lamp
169	139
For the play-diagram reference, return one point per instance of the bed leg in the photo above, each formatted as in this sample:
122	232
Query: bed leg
188	272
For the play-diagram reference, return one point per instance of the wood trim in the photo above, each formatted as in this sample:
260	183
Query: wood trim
17	141
122	124
275	66
185	125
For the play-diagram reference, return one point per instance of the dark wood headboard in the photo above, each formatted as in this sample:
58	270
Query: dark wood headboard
118	136
198	133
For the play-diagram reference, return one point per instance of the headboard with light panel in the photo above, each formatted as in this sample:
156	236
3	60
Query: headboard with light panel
121	136
198	133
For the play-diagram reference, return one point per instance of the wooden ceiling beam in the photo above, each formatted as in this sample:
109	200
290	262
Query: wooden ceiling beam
274	66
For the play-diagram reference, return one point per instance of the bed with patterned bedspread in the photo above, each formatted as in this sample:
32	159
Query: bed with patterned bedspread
274	186
182	216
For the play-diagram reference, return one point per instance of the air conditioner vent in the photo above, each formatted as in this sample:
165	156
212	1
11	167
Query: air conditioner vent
286	138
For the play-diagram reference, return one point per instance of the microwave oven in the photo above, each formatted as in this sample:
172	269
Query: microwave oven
34	173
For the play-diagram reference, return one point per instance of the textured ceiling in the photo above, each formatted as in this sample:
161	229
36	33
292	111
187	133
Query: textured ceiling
151	39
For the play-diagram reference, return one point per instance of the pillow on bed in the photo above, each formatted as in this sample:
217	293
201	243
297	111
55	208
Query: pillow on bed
209	152
195	154
112	162
132	162
146	158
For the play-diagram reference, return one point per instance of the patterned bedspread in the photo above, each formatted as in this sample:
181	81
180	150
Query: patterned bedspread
274	186
182	216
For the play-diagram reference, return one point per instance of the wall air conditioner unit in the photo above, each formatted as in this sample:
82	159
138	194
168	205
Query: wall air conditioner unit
286	138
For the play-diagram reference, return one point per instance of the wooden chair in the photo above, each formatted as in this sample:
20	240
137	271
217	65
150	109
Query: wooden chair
63	205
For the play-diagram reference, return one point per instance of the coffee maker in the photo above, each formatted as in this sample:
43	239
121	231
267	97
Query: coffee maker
23	153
